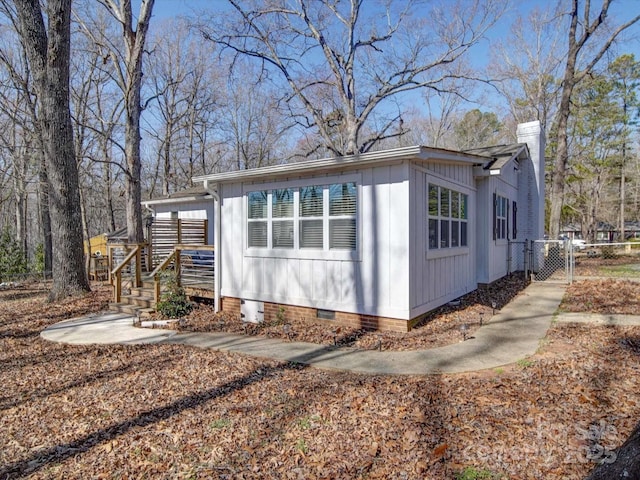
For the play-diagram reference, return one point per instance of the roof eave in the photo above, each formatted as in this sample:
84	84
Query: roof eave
487	170
164	201
419	153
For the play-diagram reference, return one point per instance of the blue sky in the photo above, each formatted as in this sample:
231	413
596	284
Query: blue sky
165	9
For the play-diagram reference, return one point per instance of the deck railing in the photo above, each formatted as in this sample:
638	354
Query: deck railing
166	233
193	266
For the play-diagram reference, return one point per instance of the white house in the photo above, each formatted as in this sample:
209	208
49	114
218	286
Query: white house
374	240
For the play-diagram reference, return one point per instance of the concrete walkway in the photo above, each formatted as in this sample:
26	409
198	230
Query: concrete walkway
513	333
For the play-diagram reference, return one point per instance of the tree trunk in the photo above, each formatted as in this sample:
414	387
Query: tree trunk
86	234
45	217
48	53
20	195
625	461
108	185
623	195
134	41
588	26
562	153
132	153
167	157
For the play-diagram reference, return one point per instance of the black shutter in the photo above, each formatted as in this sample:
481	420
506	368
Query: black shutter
515	220
495	213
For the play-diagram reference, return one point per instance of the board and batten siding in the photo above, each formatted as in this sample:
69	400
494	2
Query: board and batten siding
437	279
493	265
374	282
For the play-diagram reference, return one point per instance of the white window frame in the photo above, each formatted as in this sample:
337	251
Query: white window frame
447	250
501	222
325	253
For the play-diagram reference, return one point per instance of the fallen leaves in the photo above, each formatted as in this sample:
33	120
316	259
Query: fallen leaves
163	411
603	296
440	327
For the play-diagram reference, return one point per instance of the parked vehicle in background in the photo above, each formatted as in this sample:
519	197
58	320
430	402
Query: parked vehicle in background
576	243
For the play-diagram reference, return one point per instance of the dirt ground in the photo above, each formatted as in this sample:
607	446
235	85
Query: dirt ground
161	411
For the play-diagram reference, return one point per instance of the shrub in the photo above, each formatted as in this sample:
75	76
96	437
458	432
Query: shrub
38	261
12	258
174	302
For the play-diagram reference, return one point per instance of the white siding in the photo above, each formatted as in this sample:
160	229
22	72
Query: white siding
435	281
492	262
376	282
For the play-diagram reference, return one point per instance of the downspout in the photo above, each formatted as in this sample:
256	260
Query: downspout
216	241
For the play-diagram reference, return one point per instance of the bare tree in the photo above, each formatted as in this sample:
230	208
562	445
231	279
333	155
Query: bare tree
16	136
202	103
48	51
128	66
108	111
526	66
585	49
252	126
442	112
18	103
341	61
184	86
98	102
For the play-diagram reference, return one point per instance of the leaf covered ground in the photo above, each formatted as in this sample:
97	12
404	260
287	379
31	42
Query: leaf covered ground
440	327
167	411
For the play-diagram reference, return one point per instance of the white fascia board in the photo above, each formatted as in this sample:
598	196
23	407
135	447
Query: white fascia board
165	201
418	153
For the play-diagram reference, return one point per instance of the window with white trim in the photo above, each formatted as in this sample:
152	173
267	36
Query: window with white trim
282	218
311	217
448	217
500	217
320	217
257	219
342	216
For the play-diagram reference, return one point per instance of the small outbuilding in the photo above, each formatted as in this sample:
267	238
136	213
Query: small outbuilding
374	240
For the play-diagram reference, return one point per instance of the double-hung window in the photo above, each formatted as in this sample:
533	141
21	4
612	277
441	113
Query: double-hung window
313	217
342	216
500	216
282	218
448	217
257	219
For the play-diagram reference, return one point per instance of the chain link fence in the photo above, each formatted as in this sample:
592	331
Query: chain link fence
550	261
518	260
564	262
607	260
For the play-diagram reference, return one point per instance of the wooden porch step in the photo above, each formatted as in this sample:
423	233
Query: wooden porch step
141	292
139	301
132	310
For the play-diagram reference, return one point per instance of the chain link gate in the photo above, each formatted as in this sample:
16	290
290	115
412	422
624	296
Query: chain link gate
518	258
551	261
